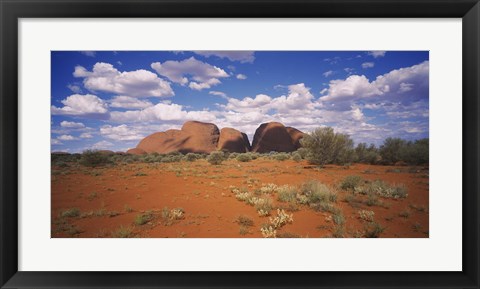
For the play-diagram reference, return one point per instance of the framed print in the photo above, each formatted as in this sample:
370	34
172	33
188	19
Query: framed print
225	144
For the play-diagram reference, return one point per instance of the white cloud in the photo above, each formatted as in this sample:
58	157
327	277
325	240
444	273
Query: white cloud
81	105
123	101
74	88
173	113
86	135
349	70
121	132
298	98
327	73
242	56
203	85
102	145
88	53
56	142
66	137
203	75
138	83
71	124
368	65
405	87
241	76
353	87
377	53
389	86
218	93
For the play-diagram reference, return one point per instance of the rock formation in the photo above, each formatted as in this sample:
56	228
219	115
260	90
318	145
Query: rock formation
272	136
233	141
136	151
195	136
200	137
296	136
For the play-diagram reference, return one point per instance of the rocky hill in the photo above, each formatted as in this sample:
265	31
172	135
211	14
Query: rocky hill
200	137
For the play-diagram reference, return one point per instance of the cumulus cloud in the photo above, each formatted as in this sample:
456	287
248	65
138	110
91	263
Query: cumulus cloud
139	83
71	124
55	142
123	101
101	145
241	76
66	137
368	65
121	132
173	113
298	98
218	93
242	56
86	135
203	75
377	53
81	105
405	84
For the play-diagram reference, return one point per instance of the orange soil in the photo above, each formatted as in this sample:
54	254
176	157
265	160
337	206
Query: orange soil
211	209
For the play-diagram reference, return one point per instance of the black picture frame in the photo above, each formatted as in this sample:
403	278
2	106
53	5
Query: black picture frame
11	11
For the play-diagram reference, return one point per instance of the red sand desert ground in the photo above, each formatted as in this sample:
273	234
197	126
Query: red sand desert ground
138	199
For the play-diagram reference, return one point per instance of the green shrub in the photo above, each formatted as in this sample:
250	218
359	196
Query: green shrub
123	232
373	230
93	158
351	182
324	146
316	192
70	213
367	155
296	156
245	221
191	157
216	157
144	218
244	158
281	156
287	194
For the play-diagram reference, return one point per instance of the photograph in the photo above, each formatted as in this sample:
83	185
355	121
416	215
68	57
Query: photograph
239	144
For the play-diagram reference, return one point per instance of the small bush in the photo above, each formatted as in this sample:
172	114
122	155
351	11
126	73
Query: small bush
373	230
123	232
92	158
281	156
216	157
244	158
351	182
268	232
316	192
339	219
191	157
281	219
296	156
268	188
71	213
366	215
144	218
245	221
287	194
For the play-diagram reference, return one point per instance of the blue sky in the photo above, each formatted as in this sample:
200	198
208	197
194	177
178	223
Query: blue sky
112	99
